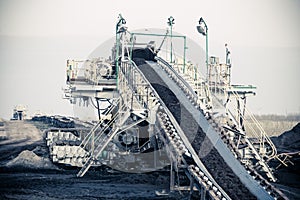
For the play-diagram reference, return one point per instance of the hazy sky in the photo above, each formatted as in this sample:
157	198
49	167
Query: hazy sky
37	37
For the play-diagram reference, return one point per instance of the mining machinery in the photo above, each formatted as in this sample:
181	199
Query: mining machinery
156	109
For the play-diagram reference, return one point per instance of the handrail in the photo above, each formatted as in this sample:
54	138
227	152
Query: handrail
211	96
180	132
89	135
166	64
203	93
260	128
103	140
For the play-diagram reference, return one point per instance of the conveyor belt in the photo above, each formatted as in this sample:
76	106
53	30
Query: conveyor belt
238	184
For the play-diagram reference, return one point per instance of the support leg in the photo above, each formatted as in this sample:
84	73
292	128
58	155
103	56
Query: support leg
203	193
172	177
191	188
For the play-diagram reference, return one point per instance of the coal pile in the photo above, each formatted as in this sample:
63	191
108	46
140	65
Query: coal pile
215	164
289	141
55	121
288	177
29	159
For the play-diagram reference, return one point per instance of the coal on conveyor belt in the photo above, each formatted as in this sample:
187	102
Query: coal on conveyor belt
210	157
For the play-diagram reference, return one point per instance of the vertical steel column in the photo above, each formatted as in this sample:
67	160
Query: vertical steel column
191	188
170	23
172	176
171	56
131	46
117	55
119	23
203	193
206	50
204	33
184	53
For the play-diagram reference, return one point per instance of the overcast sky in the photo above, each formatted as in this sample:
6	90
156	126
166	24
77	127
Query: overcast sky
37	37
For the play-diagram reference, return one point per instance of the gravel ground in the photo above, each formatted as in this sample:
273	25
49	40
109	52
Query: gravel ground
18	183
25	173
